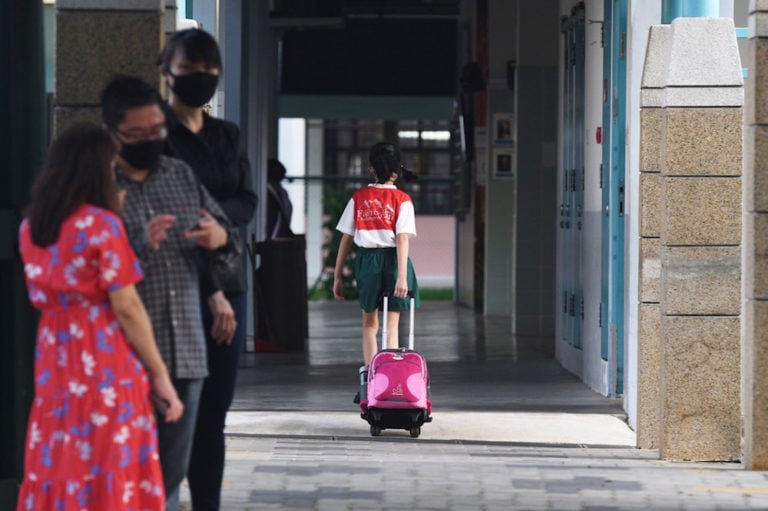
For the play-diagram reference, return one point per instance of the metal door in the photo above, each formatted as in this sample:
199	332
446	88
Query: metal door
612	182
571	192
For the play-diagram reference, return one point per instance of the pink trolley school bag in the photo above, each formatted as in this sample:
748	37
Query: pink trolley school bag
395	393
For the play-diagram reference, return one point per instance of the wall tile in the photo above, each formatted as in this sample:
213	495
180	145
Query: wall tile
649	371
91	47
756	378
702	141
757	86
755	245
756	181
701	211
651	124
701	280
650	270
700	392
64	117
650	204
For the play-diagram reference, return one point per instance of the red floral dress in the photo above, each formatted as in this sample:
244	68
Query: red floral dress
91	438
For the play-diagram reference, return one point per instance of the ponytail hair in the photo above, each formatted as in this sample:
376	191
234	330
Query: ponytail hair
385	159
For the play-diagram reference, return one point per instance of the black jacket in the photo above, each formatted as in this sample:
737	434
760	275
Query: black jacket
220	164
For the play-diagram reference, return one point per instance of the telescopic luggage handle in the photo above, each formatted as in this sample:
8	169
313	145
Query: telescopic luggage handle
411	307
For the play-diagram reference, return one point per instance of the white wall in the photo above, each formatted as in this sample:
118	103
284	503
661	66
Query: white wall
292	153
641	15
432	251
300	149
500	201
315	237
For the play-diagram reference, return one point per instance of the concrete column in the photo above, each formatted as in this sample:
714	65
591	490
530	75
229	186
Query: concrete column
96	39
649	309
755	308
258	108
314	200
700	234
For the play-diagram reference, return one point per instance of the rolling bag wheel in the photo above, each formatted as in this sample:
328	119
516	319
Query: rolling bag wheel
415	432
375	431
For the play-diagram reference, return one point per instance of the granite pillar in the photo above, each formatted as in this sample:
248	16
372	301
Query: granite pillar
755	254
700	204
649	313
97	39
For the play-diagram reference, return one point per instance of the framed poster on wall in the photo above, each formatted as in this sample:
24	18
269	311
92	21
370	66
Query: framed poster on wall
503	155
503	129
504	162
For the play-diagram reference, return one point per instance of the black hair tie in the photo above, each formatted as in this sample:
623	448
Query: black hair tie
408	176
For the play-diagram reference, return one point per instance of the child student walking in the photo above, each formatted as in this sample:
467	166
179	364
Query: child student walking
379	219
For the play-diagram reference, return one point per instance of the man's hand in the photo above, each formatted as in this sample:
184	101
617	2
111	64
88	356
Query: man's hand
208	232
224	324
157	229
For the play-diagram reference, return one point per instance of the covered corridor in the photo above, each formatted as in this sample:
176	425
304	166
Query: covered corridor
579	282
487	384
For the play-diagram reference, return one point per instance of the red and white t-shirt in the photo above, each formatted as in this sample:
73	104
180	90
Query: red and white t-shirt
375	214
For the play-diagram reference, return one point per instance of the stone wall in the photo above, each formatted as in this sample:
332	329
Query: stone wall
649	287
96	39
690	289
755	308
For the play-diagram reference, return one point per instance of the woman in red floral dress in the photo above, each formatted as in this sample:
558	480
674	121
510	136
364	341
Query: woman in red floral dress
91	438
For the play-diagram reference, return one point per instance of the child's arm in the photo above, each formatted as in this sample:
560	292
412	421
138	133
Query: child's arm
338	286
401	286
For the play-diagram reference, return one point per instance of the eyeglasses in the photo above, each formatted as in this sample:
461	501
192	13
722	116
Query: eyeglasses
138	135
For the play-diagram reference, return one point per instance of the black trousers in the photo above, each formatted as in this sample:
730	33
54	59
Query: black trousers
206	465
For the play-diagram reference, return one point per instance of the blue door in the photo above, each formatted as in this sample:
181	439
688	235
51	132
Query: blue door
613	187
572	181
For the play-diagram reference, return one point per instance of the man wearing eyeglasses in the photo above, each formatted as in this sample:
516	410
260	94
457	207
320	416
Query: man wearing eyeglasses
170	219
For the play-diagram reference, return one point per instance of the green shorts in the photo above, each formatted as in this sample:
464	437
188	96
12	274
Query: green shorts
375	273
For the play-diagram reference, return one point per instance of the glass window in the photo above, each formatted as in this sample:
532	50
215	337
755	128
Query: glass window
342	162
356	163
426	147
439	164
408	134
370	132
436	138
345	137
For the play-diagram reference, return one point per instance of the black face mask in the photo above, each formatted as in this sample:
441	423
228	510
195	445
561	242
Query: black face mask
143	155
195	89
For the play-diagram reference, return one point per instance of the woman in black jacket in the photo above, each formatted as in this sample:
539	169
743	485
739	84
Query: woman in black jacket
190	65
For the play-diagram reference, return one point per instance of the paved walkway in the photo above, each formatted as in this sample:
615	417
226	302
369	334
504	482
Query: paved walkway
511	430
315	473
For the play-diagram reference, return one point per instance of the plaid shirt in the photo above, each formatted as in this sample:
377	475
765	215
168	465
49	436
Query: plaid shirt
170	289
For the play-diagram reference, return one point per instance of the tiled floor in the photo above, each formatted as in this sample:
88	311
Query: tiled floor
476	367
474	363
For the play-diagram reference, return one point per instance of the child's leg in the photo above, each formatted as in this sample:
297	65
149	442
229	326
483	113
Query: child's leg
370	329
393	337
